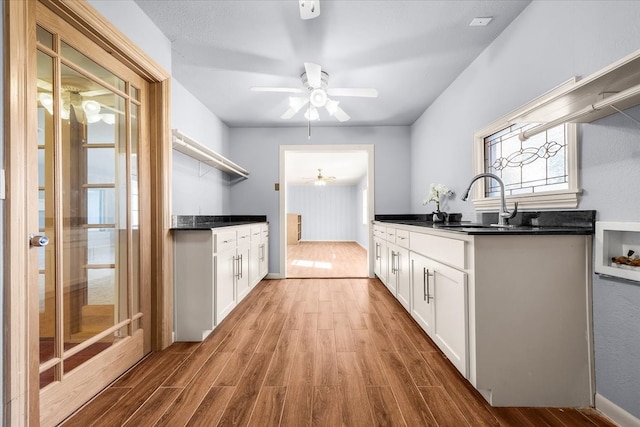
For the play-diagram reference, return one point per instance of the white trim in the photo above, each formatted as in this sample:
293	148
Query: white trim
369	149
615	413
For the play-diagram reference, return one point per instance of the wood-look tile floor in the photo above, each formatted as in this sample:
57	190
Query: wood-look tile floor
309	352
326	259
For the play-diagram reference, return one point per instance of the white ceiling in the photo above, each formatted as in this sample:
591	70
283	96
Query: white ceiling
410	51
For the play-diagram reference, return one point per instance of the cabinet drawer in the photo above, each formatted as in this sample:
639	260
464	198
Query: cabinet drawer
244	236
391	235
380	232
224	240
256	233
402	238
443	249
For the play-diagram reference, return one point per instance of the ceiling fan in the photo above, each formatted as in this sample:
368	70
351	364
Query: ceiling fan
321	179
315	93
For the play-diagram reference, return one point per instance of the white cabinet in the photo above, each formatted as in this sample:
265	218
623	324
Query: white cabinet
381	266
440	306
263	252
399	277
258	254
511	312
422	295
212	274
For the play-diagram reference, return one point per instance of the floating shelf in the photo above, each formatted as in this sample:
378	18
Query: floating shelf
614	239
614	88
192	148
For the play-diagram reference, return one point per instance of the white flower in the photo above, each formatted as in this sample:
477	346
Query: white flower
436	191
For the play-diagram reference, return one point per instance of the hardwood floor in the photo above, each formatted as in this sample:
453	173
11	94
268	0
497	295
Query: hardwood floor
326	259
307	352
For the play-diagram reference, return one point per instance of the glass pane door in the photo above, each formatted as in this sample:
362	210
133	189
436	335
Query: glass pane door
88	136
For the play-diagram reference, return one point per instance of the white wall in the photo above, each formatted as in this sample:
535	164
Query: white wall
328	212
362	228
547	44
257	150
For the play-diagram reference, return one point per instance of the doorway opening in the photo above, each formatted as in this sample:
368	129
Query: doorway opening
326	208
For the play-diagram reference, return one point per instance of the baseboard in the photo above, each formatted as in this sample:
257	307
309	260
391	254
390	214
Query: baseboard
273	276
615	413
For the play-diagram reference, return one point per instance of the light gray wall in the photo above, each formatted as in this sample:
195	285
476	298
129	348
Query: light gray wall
546	45
197	189
257	150
328	212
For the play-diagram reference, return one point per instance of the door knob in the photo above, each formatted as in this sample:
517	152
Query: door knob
38	240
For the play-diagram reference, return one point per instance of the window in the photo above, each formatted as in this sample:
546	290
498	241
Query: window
530	165
539	169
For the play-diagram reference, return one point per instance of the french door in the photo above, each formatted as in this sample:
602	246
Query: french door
92	212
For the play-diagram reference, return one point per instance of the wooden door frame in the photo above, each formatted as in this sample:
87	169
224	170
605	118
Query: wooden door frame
20	379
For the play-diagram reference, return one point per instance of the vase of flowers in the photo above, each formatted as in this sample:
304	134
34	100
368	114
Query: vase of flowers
437	192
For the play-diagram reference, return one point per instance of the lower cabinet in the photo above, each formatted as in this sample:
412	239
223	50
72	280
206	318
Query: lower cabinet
399	277
381	259
213	271
440	306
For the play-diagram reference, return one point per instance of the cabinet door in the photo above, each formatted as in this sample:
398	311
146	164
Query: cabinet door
264	258
254	263
450	320
423	304
226	265
392	273
382	257
243	285
403	278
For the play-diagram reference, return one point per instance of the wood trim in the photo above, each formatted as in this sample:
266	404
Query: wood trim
161	238
21	392
87	20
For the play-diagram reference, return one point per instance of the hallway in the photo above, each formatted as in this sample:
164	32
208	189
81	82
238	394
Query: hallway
309	352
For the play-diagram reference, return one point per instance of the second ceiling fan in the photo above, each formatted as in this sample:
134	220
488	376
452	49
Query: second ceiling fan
316	92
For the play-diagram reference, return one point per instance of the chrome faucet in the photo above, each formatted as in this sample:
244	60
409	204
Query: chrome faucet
504	215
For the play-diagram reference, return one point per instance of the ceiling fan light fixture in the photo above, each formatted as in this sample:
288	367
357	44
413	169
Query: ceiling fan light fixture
332	106
47	101
319	183
318	97
311	113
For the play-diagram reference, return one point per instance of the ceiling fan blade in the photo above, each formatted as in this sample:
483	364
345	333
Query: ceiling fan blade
288	114
276	89
309	9
95	92
340	114
314	74
353	91
297	102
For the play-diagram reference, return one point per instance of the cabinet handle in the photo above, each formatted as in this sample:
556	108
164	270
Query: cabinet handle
393	263
240	270
424	283
377	251
427	274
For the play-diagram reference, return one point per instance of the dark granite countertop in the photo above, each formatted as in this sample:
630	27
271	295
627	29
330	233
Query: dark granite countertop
524	223
207	222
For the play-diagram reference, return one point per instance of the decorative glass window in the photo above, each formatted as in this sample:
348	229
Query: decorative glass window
539	168
531	165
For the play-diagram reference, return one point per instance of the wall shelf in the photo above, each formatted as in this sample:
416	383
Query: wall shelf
192	148
614	239
614	88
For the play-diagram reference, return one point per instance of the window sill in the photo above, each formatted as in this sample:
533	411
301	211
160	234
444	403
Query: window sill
566	199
